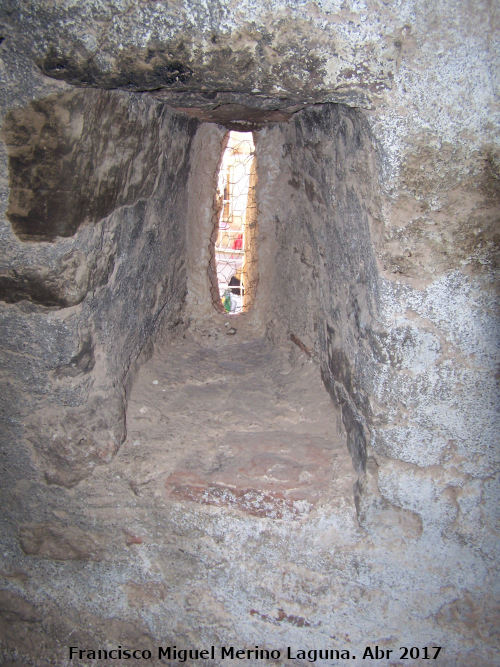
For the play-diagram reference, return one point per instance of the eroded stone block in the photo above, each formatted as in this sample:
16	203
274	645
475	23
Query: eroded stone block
89	435
59	542
274	475
65	284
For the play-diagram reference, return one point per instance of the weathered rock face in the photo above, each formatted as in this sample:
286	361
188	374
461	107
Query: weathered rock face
64	151
63	174
387	355
377	194
273	50
324	200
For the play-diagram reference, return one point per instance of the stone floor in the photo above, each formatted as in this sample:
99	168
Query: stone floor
241	426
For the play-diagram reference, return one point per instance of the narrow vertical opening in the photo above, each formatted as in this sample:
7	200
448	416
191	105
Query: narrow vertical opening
234	251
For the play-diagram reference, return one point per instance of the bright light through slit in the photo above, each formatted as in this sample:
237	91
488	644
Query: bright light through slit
232	243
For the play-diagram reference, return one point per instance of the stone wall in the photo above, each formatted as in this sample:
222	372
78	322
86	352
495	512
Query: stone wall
377	195
93	282
325	290
405	360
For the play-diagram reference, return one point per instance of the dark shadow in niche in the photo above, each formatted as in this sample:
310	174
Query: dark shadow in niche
136	69
75	157
83	361
15	288
62	284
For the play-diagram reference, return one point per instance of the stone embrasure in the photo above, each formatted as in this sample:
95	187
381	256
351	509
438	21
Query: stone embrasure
218	494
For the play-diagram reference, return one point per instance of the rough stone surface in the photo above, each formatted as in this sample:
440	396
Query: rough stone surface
63	173
79	296
59	542
263	473
377	192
